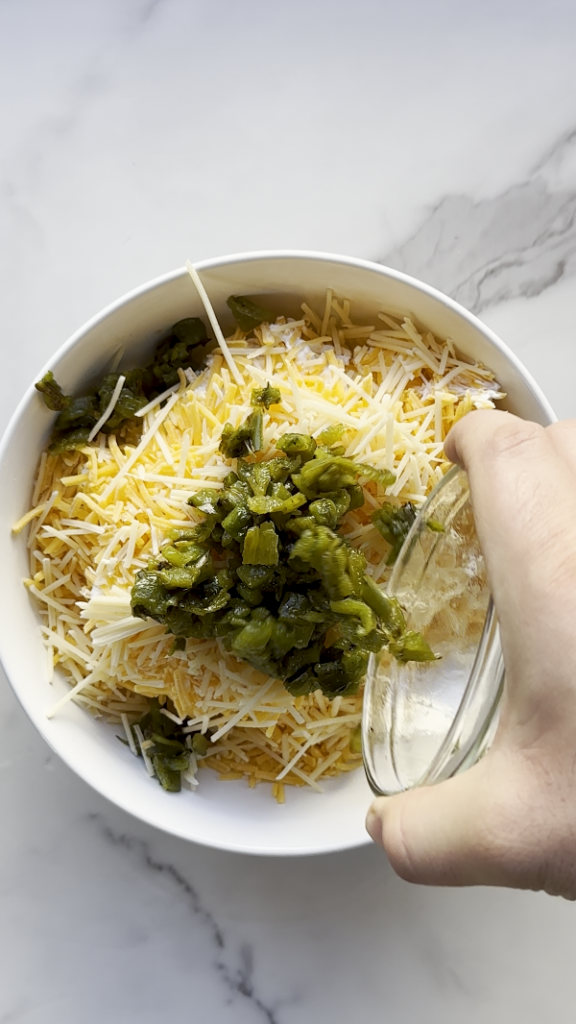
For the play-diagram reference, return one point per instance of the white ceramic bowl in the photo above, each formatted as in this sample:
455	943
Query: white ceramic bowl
226	815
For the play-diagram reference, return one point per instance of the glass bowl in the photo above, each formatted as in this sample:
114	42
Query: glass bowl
426	721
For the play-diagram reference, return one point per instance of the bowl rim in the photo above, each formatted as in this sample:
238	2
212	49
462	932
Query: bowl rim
217	262
286	254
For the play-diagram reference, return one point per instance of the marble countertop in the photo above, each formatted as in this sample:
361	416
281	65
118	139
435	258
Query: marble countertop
437	137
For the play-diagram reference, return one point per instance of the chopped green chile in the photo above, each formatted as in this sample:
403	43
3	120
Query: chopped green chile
70	441
281	467
185	348
253	596
206	500
191	331
296	444
176	762
332	434
255	576
237	522
256	475
200	744
164	745
247	313
204	606
356	569
266	396
178	576
254	636
149	597
411	646
325	512
387	609
130	400
169	778
290	596
356	496
262	505
169	744
333	472
434	526
360	611
394	523
182	553
261	545
54	397
245	439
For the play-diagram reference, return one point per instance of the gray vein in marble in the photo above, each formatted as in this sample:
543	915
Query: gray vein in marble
515	244
238	981
557	152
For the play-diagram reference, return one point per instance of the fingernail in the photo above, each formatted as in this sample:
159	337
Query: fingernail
374	825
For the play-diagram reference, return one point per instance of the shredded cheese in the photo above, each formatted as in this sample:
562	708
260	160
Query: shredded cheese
100	513
214	321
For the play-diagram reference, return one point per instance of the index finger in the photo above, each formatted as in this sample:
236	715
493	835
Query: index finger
523	494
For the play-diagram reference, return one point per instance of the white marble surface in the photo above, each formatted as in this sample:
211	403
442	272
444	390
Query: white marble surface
439	137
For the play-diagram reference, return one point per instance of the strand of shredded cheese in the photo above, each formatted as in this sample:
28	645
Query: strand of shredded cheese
214	322
108	410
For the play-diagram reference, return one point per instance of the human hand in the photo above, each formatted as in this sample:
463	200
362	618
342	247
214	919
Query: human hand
511	819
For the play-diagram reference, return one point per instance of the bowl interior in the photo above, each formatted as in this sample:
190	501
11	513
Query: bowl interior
226	815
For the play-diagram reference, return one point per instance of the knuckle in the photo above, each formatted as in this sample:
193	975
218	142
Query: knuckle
514	437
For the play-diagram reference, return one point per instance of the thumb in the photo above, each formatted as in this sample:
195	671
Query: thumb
443	834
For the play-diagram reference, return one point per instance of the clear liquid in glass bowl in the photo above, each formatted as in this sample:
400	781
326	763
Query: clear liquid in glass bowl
426	721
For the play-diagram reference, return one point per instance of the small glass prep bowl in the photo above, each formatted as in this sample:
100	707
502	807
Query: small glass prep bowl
426	721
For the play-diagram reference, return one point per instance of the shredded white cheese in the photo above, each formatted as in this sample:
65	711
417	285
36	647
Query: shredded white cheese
214	322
